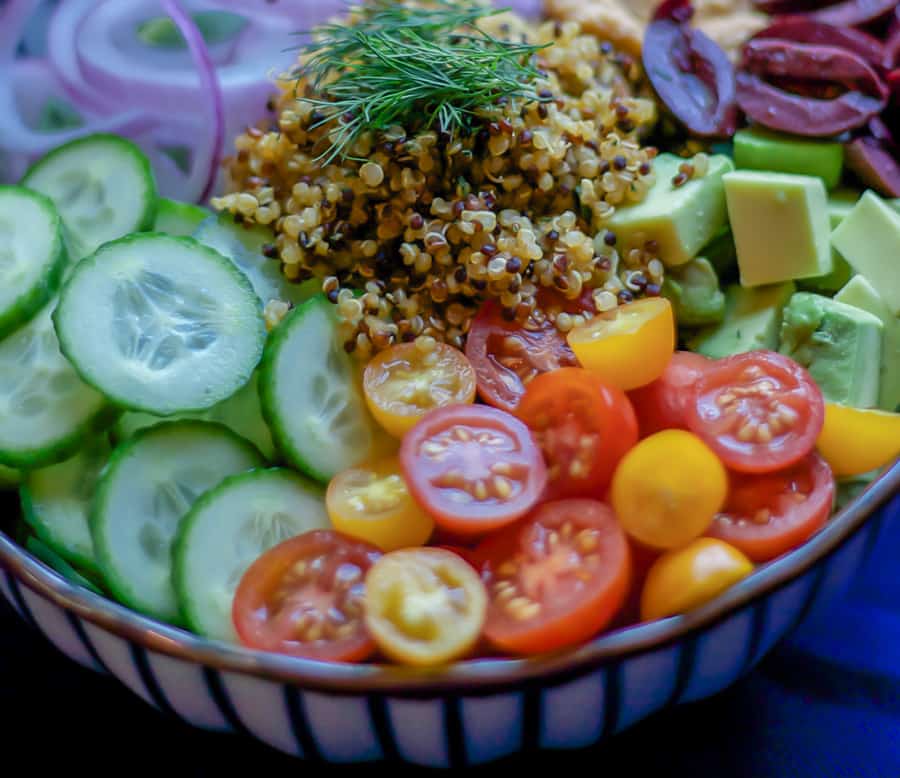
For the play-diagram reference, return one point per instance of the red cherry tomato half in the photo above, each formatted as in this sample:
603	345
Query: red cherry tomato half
760	411
583	426
473	468
304	597
507	355
662	405
767	515
555	579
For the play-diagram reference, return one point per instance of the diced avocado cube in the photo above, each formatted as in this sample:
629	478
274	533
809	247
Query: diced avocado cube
752	321
839	344
860	293
869	239
681	219
179	219
693	289
840	203
781	226
895	204
761	149
722	255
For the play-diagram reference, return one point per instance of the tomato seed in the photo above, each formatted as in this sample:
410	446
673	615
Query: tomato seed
587	541
502	487
508	569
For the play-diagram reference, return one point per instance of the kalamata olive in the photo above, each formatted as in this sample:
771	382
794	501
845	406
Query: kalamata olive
891	57
691	74
874	165
801	29
772	106
882	133
854	12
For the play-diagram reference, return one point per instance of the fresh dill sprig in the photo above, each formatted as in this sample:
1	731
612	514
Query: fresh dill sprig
402	64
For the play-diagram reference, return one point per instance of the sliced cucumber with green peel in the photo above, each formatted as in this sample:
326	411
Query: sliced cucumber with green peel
240	412
179	219
150	483
56	502
103	187
244	245
32	255
227	530
9	478
46	410
49	557
311	396
161	324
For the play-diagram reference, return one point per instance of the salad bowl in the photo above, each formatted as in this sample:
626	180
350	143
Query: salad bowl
474	712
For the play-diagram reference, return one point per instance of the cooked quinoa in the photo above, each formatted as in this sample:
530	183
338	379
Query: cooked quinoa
416	228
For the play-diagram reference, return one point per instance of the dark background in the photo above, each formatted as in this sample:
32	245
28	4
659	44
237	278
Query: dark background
815	708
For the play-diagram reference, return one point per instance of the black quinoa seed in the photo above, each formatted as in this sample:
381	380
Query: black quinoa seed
553	235
513	265
333	296
653	290
645	169
460	275
417	222
610	238
489	249
625	297
619	162
270	250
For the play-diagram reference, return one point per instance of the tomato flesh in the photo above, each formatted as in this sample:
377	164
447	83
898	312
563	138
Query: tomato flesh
760	411
425	606
556	579
663	404
583	426
507	355
767	515
406	381
473	468
305	598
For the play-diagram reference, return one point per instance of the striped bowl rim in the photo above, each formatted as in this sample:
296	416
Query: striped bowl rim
480	676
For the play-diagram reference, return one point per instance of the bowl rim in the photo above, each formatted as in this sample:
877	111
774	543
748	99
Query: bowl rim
472	677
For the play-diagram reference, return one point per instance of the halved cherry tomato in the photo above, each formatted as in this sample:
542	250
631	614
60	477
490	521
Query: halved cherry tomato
371	502
662	405
760	411
425	606
555	579
855	441
473	468
304	597
668	488
767	515
583	426
507	355
406	381
630	346
689	577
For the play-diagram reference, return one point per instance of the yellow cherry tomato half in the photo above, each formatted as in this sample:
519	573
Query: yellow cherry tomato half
405	382
855	441
371	502
667	490
425	606
630	346
688	577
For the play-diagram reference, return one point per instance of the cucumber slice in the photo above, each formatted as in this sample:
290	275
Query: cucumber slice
228	529
240	412
179	219
244	245
103	187
9	478
160	324
32	255
149	485
56	501
49	557
46	410
311	395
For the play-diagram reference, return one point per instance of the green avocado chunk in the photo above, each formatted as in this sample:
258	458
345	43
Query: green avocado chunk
722	255
781	226
761	149
752	321
869	239
682	219
178	219
839	344
693	289
860	293
840	203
